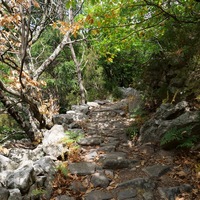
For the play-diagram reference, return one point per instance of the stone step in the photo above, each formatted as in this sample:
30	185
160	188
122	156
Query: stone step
107	113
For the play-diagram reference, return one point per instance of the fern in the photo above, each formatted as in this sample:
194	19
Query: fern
63	169
182	136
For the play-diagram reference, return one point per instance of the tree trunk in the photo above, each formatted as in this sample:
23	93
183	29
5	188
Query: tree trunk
28	126
79	75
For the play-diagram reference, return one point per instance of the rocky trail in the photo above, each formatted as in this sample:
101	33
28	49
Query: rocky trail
114	167
107	164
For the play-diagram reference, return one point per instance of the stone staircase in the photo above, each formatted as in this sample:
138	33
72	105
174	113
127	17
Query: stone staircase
112	167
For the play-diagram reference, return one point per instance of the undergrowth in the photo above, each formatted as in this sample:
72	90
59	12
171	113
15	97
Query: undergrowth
180	137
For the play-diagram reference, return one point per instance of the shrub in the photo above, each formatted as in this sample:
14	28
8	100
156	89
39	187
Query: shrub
179	137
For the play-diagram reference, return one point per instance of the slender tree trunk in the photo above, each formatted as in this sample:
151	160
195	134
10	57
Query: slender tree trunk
76	62
79	74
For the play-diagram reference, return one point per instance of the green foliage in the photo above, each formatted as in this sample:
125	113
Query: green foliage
132	131
74	135
71	139
38	192
63	169
181	137
9	129
140	116
93	76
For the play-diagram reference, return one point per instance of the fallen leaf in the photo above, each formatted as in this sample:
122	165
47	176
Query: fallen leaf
181	174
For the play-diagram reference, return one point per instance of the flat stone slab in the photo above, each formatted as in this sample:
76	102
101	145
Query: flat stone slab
91	141
172	192
99	179
107	148
91	155
156	170
99	195
64	197
82	168
143	183
115	160
128	193
77	186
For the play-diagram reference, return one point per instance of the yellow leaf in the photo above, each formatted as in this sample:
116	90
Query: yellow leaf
94	32
54	25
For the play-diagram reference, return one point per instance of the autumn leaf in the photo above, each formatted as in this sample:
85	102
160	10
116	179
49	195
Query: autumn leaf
89	19
35	3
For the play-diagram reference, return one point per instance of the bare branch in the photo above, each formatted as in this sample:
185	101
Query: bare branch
53	56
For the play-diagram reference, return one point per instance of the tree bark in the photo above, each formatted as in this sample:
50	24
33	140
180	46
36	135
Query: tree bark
79	74
14	113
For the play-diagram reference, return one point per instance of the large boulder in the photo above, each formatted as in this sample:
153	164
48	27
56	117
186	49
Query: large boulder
21	179
134	98
167	118
53	141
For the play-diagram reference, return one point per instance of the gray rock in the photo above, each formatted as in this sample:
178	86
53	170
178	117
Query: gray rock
111	143
74	125
15	194
107	148
90	156
109	173
64	197
90	141
40	181
171	192
102	102
142	183
20	155
81	108
166	118
156	170
127	92
53	142
148	195
115	160
7	164
3	176
82	168
126	194
93	104
37	153
99	195
75	116
99	180
62	119
147	148
21	178
134	98
53	136
44	165
4	193
77	186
